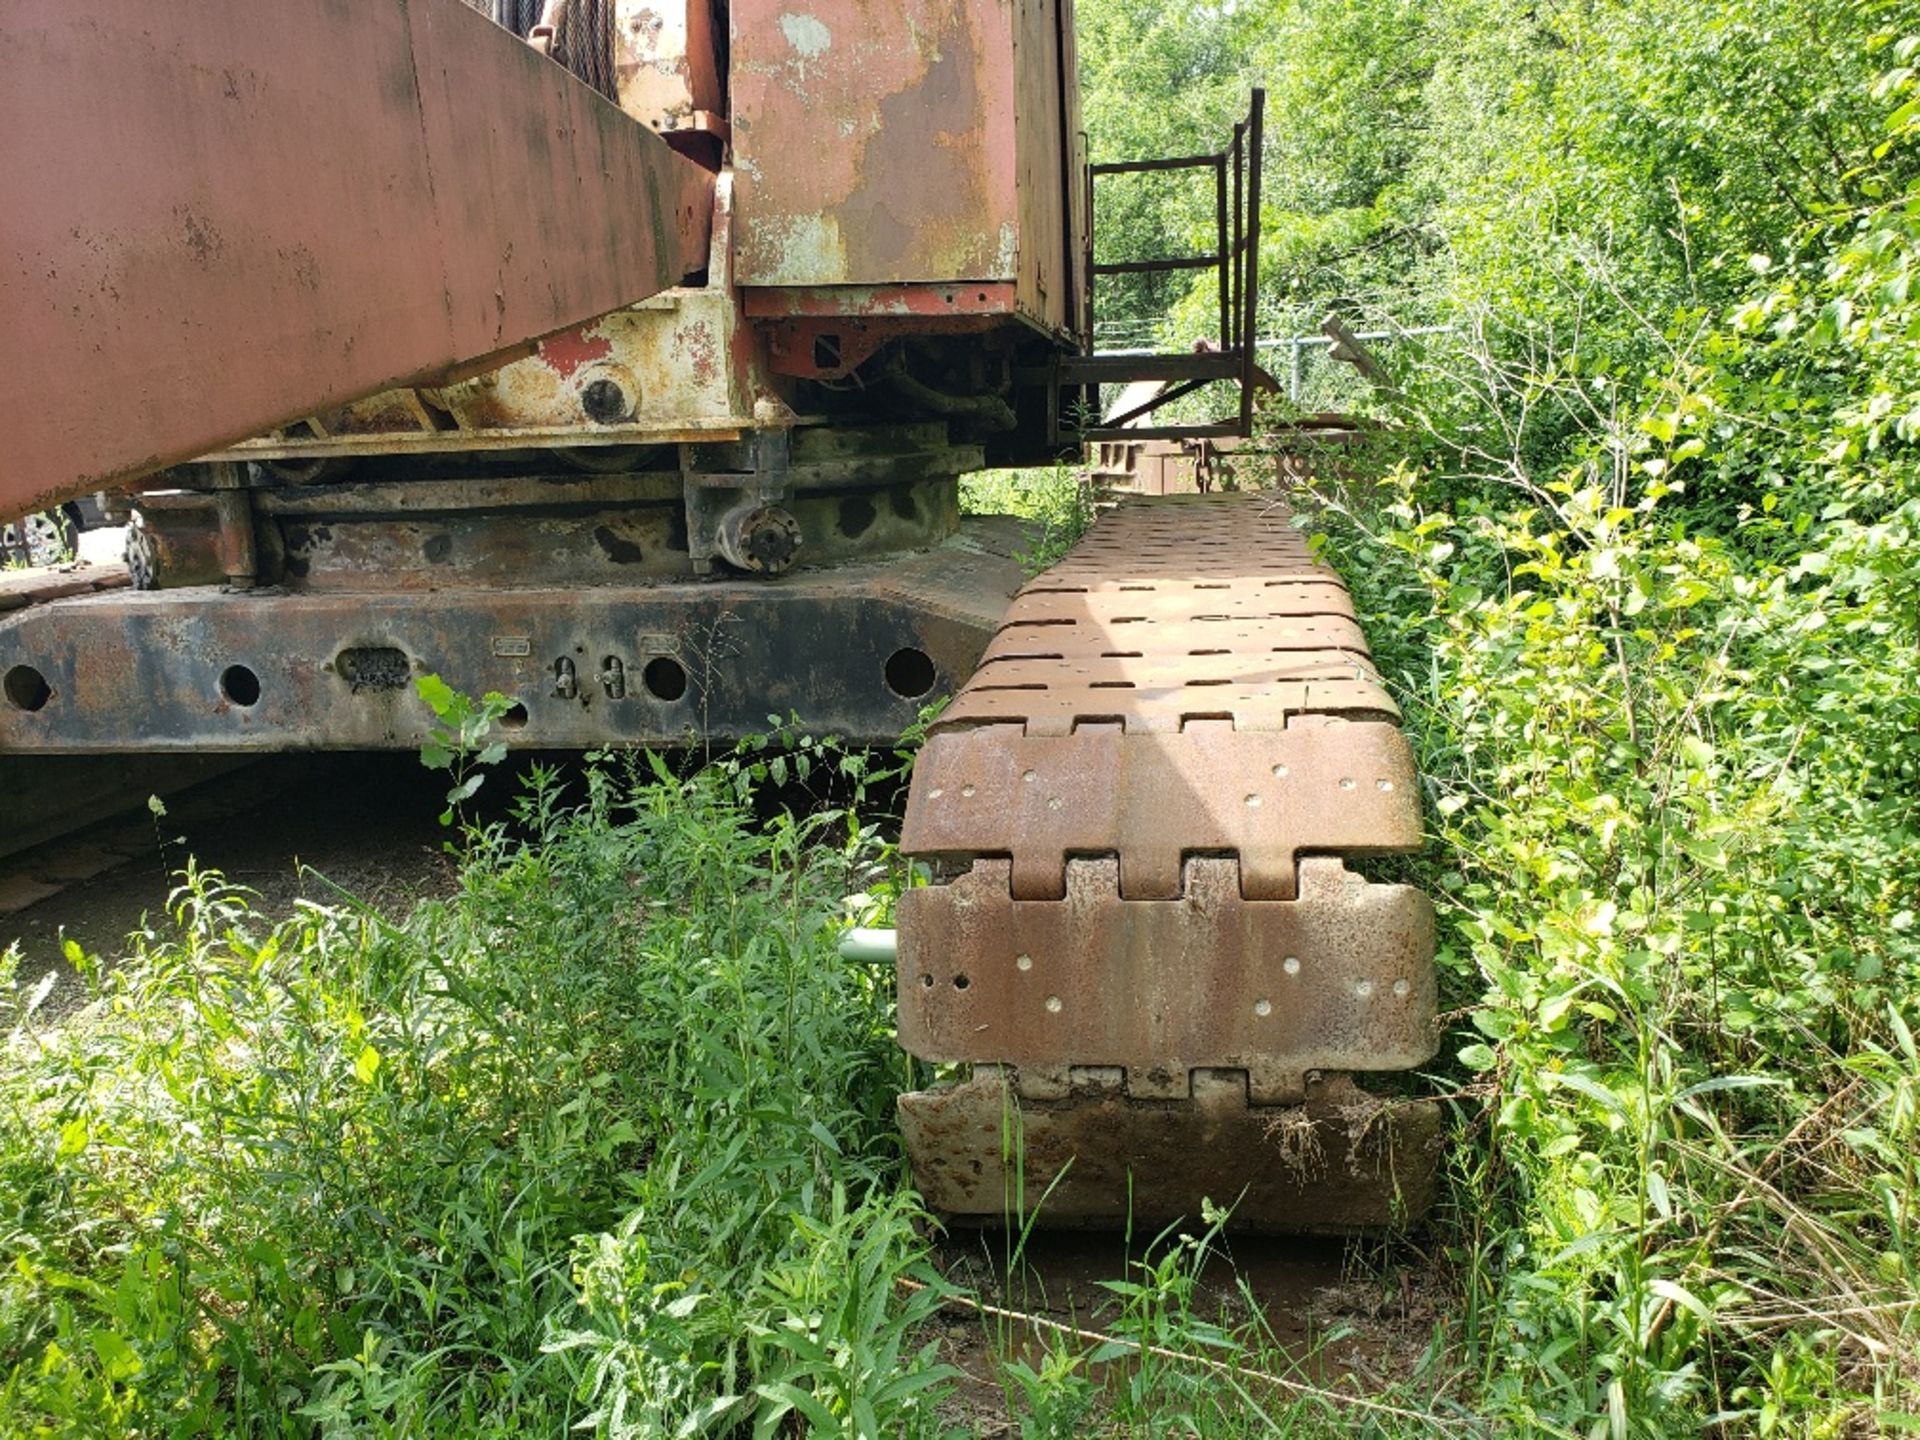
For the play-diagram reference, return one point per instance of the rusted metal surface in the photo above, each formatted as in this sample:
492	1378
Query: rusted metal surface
883	302
667	65
186	549
1153	921
1134	598
1265	635
680	366
429	441
204	191
948	162
1176	709
160	670
1145	603
21	588
1161	988
1043	162
833	346
1180	467
1343	1161
1167	671
848	493
919	183
1153	798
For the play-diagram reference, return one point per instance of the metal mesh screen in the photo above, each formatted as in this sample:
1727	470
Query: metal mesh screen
1312	380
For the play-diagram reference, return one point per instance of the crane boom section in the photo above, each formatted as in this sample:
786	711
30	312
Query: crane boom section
223	216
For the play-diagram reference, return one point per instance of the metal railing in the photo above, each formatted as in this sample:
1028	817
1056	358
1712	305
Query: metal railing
1234	261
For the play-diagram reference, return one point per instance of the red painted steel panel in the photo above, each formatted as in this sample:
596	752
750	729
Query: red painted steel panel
227	215
882	302
1040	144
874	143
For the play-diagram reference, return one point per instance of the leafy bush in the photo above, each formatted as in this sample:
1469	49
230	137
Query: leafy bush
1654	630
602	1142
1055	499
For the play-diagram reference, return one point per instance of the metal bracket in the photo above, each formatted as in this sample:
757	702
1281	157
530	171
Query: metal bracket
736	514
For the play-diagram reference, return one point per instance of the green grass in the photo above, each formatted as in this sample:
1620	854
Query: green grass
603	1143
1052	497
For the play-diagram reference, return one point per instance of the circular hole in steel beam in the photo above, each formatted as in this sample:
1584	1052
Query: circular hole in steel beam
910	673
665	678
605	402
27	688
515	718
856	516
241	686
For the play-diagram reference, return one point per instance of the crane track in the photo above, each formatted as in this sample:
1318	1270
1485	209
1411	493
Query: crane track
1144	936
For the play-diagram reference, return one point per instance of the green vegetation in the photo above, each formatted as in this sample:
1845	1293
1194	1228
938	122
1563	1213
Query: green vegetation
1053	499
1636	548
1637	551
605	1141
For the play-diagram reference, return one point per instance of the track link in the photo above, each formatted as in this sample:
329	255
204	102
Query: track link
1144	937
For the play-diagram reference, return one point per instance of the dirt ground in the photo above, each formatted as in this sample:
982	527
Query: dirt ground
1348	1316
284	826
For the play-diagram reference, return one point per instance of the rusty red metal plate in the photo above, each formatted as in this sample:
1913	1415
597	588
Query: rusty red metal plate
1339	978
1153	799
875	144
1123	604
1155	779
1343	1161
1177	708
1170	671
1165	572
1261	635
228	215
20	588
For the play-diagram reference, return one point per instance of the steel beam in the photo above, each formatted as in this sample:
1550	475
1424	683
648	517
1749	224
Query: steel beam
855	651
224	216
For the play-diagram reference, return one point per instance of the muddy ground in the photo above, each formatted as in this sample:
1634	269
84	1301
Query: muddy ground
1347	1318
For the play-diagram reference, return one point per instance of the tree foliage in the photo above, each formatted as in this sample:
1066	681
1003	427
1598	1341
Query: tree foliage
1640	558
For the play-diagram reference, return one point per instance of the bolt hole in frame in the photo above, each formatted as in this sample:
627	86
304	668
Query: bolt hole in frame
910	673
240	686
665	678
27	689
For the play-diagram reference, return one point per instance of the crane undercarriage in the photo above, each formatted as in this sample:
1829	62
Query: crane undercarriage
645	403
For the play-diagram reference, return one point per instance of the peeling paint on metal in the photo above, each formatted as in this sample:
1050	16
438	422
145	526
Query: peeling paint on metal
919	182
806	35
570	349
419	237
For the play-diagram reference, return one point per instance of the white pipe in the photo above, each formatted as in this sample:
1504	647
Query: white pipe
870	947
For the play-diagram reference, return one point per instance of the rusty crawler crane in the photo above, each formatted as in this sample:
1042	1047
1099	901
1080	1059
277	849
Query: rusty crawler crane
624	358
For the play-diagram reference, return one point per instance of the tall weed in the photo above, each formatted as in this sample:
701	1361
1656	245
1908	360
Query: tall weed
602	1142
1662	683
